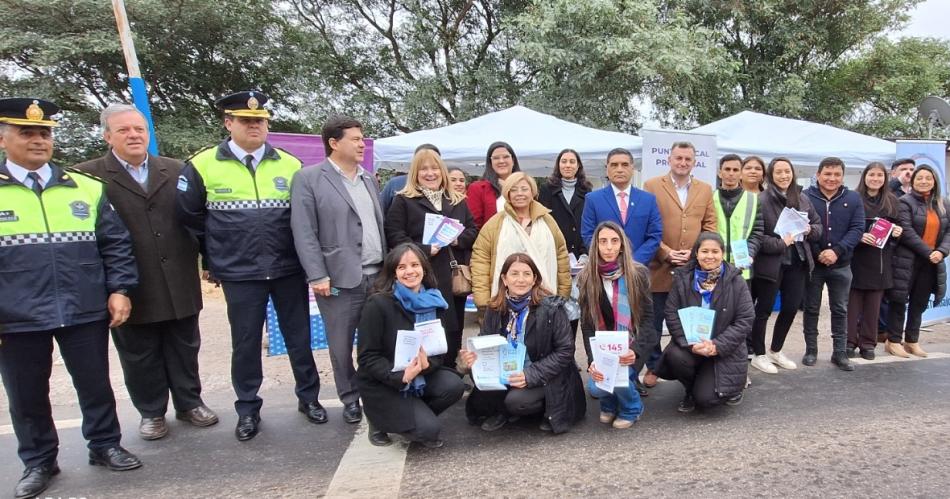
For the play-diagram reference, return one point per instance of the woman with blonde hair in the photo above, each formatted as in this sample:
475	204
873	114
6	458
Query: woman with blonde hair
427	192
615	296
523	226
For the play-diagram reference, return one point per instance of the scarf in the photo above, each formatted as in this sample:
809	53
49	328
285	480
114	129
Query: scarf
423	304
539	245
619	300
517	312
568	187
434	197
704	282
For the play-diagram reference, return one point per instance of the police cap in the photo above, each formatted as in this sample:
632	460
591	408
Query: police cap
28	112
249	104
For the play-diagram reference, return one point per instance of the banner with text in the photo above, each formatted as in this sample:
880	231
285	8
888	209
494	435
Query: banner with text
656	152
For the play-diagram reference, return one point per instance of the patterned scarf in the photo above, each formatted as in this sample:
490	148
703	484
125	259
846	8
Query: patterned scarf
518	310
434	197
704	282
619	300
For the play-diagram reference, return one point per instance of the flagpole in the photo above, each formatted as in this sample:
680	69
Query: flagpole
136	83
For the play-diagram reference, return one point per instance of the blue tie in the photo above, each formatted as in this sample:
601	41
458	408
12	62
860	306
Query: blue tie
37	185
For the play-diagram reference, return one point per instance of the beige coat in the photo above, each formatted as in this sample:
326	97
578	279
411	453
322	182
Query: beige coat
484	252
681	226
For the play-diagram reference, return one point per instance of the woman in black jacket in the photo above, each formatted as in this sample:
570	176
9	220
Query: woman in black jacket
427	191
713	370
549	385
781	264
871	266
563	193
407	401
919	269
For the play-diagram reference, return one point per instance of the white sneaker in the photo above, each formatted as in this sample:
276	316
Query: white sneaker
779	359
763	364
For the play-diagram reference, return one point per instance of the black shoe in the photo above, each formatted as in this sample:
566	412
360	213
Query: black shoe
352	413
379	438
810	357
841	360
642	390
734	400
852	352
867	354
315	412
35	480
545	426
115	458
495	422
247	427
687	405
433	444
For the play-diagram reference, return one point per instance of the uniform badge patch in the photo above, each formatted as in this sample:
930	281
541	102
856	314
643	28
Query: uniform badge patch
8	216
80	209
280	183
182	183
226	190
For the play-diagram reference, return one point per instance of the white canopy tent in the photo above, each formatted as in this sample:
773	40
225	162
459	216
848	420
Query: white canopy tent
536	137
803	142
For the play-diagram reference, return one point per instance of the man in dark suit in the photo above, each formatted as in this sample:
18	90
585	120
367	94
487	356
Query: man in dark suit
337	223
619	201
158	345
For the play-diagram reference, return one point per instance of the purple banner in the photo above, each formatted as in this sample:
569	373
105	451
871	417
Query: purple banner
309	148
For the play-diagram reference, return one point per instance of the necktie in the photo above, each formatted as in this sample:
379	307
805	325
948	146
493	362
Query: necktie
623	206
37	182
249	162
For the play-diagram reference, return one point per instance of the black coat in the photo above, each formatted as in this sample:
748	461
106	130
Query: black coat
405	222
379	387
872	267
550	343
731	326
644	337
566	215
772	249
912	215
166	254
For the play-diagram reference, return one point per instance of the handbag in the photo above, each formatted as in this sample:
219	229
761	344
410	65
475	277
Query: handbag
461	276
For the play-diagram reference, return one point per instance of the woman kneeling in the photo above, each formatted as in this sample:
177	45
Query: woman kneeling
712	370
549	385
408	401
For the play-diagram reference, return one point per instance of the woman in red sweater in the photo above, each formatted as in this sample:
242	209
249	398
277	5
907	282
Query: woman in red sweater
484	196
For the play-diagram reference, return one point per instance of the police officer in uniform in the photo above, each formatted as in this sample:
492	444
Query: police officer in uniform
66	268
236	198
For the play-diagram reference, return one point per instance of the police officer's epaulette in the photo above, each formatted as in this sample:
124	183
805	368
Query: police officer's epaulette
285	151
199	151
84	174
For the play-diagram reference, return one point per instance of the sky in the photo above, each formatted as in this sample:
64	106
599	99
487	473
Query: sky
928	19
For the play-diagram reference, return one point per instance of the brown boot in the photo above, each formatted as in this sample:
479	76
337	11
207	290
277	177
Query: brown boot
895	349
914	349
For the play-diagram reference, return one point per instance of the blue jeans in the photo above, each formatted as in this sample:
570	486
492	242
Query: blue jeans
624	401
838	281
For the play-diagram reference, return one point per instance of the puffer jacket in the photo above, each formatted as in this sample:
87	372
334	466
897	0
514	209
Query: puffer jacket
912	215
550	343
731	326
772	249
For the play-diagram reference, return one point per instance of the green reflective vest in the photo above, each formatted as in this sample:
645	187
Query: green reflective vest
231	186
59	215
739	225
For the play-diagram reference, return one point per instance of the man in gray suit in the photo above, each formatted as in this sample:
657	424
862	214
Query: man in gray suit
338	231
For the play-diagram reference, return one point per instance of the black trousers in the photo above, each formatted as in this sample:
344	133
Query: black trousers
26	362
922	282
695	372
513	402
791	282
443	388
247	311
157	358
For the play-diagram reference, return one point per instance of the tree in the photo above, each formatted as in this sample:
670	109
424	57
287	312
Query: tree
406	65
190	52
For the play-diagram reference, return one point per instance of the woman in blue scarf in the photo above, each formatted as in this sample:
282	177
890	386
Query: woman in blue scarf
714	370
408	401
529	318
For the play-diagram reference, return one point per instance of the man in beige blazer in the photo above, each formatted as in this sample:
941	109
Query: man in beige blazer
686	207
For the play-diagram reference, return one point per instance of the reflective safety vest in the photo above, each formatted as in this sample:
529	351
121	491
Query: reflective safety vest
739	225
51	272
247	229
